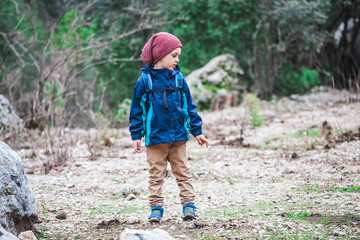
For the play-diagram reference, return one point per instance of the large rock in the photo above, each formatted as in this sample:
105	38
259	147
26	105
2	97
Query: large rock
218	79
9	120
5	235
156	234
18	210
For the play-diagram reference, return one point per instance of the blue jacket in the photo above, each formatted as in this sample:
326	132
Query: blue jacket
149	116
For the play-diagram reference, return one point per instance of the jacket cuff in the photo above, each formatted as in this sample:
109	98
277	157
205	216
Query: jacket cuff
197	133
136	137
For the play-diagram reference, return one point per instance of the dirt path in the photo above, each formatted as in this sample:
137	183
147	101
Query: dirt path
290	183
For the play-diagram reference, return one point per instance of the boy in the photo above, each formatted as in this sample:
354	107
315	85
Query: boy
164	112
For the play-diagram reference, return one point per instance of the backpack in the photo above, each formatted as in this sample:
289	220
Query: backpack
148	106
149	88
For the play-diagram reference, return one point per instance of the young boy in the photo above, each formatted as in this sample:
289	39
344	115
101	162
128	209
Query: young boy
164	112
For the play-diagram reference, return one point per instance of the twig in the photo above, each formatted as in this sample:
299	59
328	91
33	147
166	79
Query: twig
333	105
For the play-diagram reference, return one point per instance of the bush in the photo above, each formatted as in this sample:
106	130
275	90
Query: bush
292	81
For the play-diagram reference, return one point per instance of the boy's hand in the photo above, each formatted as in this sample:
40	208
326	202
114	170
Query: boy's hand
202	140
137	146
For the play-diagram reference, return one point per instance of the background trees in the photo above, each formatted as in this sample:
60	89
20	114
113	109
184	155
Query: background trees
76	62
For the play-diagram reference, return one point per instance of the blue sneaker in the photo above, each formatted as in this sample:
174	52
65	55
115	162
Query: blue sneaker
189	211
156	214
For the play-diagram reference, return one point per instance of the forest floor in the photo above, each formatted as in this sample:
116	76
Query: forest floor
295	177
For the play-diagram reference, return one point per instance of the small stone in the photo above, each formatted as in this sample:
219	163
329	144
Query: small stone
294	155
235	238
338	233
357	209
61	215
192	226
350	185
287	171
28	235
181	236
131	197
199	223
132	220
326	196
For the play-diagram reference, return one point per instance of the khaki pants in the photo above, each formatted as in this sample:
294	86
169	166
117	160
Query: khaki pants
157	157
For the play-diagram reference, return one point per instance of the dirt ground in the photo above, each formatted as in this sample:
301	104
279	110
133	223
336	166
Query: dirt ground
295	177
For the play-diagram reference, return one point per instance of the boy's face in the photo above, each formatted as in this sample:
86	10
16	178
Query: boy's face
169	61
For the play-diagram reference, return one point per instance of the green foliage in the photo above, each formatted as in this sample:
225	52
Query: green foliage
297	215
123	111
307	133
292	81
254	106
290	32
53	92
210	28
67	37
350	189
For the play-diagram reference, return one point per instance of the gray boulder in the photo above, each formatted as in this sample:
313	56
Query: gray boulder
18	211
9	120
5	235
217	79
155	234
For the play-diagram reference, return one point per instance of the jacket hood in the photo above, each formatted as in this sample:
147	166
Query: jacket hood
150	69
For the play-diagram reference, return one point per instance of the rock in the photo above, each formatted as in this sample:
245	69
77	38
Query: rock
181	236
61	215
338	233
4	235
9	120
287	171
192	226
28	235
131	197
217	79
132	220
224	99
155	234
236	237
18	211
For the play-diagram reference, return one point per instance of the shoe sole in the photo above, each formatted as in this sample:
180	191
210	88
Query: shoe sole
189	217
154	220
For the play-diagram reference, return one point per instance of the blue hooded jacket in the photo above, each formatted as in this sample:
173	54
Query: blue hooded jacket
150	118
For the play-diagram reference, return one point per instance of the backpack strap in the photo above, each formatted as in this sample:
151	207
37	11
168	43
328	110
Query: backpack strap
149	87
179	83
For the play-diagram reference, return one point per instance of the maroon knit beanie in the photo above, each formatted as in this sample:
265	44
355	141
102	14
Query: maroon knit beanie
158	46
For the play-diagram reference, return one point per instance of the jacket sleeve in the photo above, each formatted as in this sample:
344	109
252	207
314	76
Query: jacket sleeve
136	121
195	119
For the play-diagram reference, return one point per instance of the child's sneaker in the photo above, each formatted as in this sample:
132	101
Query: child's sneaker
156	214
189	211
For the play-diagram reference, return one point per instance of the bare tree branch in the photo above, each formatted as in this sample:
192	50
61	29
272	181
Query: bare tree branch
12	47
